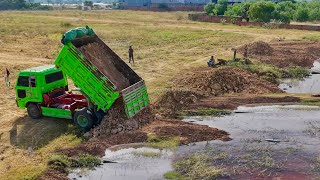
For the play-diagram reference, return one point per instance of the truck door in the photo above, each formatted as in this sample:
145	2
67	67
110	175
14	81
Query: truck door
33	88
26	88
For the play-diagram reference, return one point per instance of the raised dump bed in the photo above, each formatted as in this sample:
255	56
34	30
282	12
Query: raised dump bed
100	73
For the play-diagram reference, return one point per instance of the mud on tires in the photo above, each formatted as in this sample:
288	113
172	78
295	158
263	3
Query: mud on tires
34	111
83	119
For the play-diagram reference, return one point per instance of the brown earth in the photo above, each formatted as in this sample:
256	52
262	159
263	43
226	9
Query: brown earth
188	132
98	56
284	53
207	82
98	146
218	81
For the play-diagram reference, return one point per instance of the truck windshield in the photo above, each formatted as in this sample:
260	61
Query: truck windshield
50	78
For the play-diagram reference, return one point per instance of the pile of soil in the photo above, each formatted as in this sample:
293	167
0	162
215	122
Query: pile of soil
175	99
259	48
232	102
99	57
188	132
225	80
285	53
116	121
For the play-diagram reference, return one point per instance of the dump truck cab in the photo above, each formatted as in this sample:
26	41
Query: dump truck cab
34	82
44	92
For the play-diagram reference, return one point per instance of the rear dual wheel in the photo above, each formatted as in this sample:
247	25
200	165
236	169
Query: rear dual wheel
83	119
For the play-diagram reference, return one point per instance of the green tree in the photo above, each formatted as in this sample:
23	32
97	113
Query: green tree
88	3
314	14
220	7
209	9
302	14
261	11
11	4
287	8
234	10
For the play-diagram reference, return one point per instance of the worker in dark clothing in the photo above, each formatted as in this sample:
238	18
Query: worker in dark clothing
245	54
131	55
6	77
211	62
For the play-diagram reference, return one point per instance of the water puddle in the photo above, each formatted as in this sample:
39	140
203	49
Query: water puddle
310	84
287	136
134	163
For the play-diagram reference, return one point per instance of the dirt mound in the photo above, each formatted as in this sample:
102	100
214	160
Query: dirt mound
187	132
225	80
98	56
52	174
98	146
116	121
284	54
174	100
259	48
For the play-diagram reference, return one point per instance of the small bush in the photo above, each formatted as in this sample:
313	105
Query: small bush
297	72
88	161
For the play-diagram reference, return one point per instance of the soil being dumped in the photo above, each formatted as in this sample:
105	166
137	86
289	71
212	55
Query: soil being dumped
285	53
99	57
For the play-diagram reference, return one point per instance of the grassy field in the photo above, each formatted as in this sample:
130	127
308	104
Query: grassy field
165	44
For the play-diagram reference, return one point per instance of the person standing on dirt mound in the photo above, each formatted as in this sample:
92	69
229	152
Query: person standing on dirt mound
131	55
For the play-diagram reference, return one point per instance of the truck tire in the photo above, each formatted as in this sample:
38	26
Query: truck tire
34	111
83	119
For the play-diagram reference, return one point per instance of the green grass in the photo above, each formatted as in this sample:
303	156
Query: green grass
197	166
63	163
147	154
173	175
205	112
163	142
313	102
272	73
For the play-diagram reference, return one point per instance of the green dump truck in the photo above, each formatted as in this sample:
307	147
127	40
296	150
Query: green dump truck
99	74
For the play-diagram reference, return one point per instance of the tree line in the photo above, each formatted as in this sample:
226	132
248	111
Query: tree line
22	5
266	11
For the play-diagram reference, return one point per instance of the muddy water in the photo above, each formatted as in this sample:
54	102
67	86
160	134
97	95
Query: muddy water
288	135
310	84
129	163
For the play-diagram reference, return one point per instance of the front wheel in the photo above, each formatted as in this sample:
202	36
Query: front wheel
83	119
34	111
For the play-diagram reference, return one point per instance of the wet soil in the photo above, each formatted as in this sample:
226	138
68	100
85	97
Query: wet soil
232	102
101	59
97	146
284	53
187	132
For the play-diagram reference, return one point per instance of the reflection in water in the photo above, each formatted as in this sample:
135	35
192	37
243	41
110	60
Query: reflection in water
130	164
295	129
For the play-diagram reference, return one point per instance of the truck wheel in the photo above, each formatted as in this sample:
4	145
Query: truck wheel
83	119
34	111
